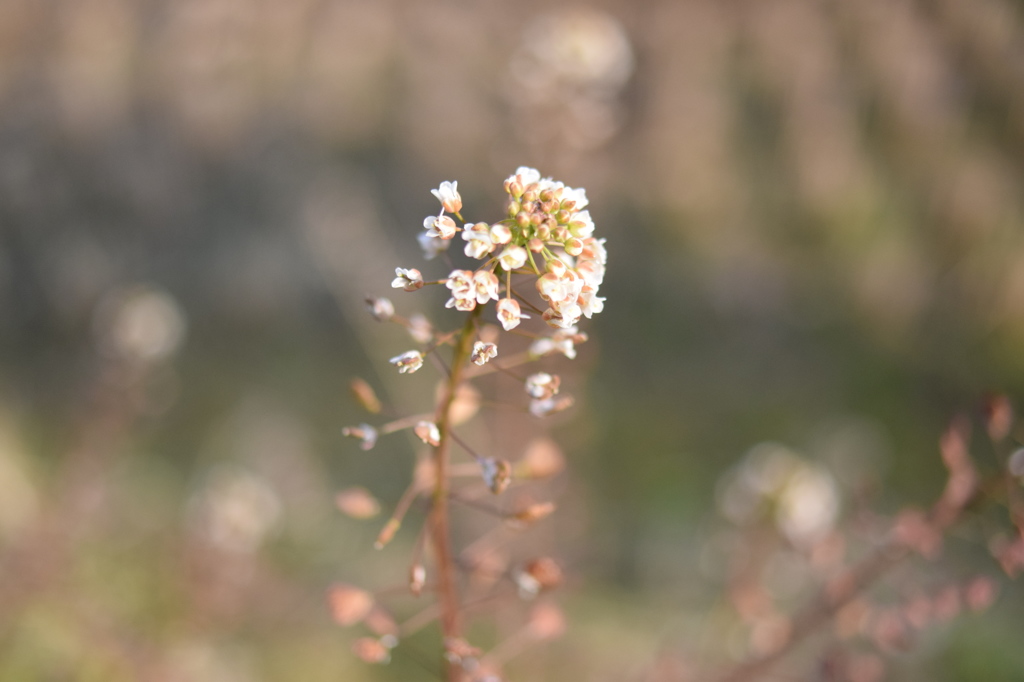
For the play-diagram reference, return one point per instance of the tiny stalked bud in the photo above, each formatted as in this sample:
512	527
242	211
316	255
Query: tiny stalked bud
387	533
574	246
543	231
535	245
563	216
457	650
381	308
364	432
417	579
371	650
980	593
382	624
538	575
514	187
428	433
357	503
534	512
560	233
349	605
548	206
497	474
546	195
523	219
543	458
530	195
546	622
535	218
513	208
998	417
365	395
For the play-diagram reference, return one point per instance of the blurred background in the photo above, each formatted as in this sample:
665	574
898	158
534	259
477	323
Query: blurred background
814	220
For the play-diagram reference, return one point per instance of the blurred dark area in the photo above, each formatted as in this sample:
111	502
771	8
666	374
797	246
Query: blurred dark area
814	219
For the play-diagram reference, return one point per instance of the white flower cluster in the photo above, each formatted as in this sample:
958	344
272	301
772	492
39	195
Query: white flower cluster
547	232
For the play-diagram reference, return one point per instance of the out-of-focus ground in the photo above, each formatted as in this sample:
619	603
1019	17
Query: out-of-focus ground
814	222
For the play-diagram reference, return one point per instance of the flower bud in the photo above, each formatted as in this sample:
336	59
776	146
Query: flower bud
523	220
349	605
365	395
530	195
364	432
497	474
381	308
357	503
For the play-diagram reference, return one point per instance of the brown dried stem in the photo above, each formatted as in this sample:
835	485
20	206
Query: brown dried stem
447	592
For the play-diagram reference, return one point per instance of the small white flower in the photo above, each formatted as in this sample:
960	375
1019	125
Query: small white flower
440	226
410	280
482	352
592	304
448	195
432	245
577	196
581	225
428	433
542	385
512	257
509	314
527	175
545	406
501	233
464	293
420	329
381	308
408	362
479	241
485	286
364	432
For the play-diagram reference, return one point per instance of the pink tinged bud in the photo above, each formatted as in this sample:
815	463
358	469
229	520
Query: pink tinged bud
381	308
365	395
534	513
578	197
408	362
574	246
509	314
448	195
409	280
349	605
482	352
417	579
357	503
538	575
546	622
543	458
512	258
428	433
366	433
371	650
535	245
